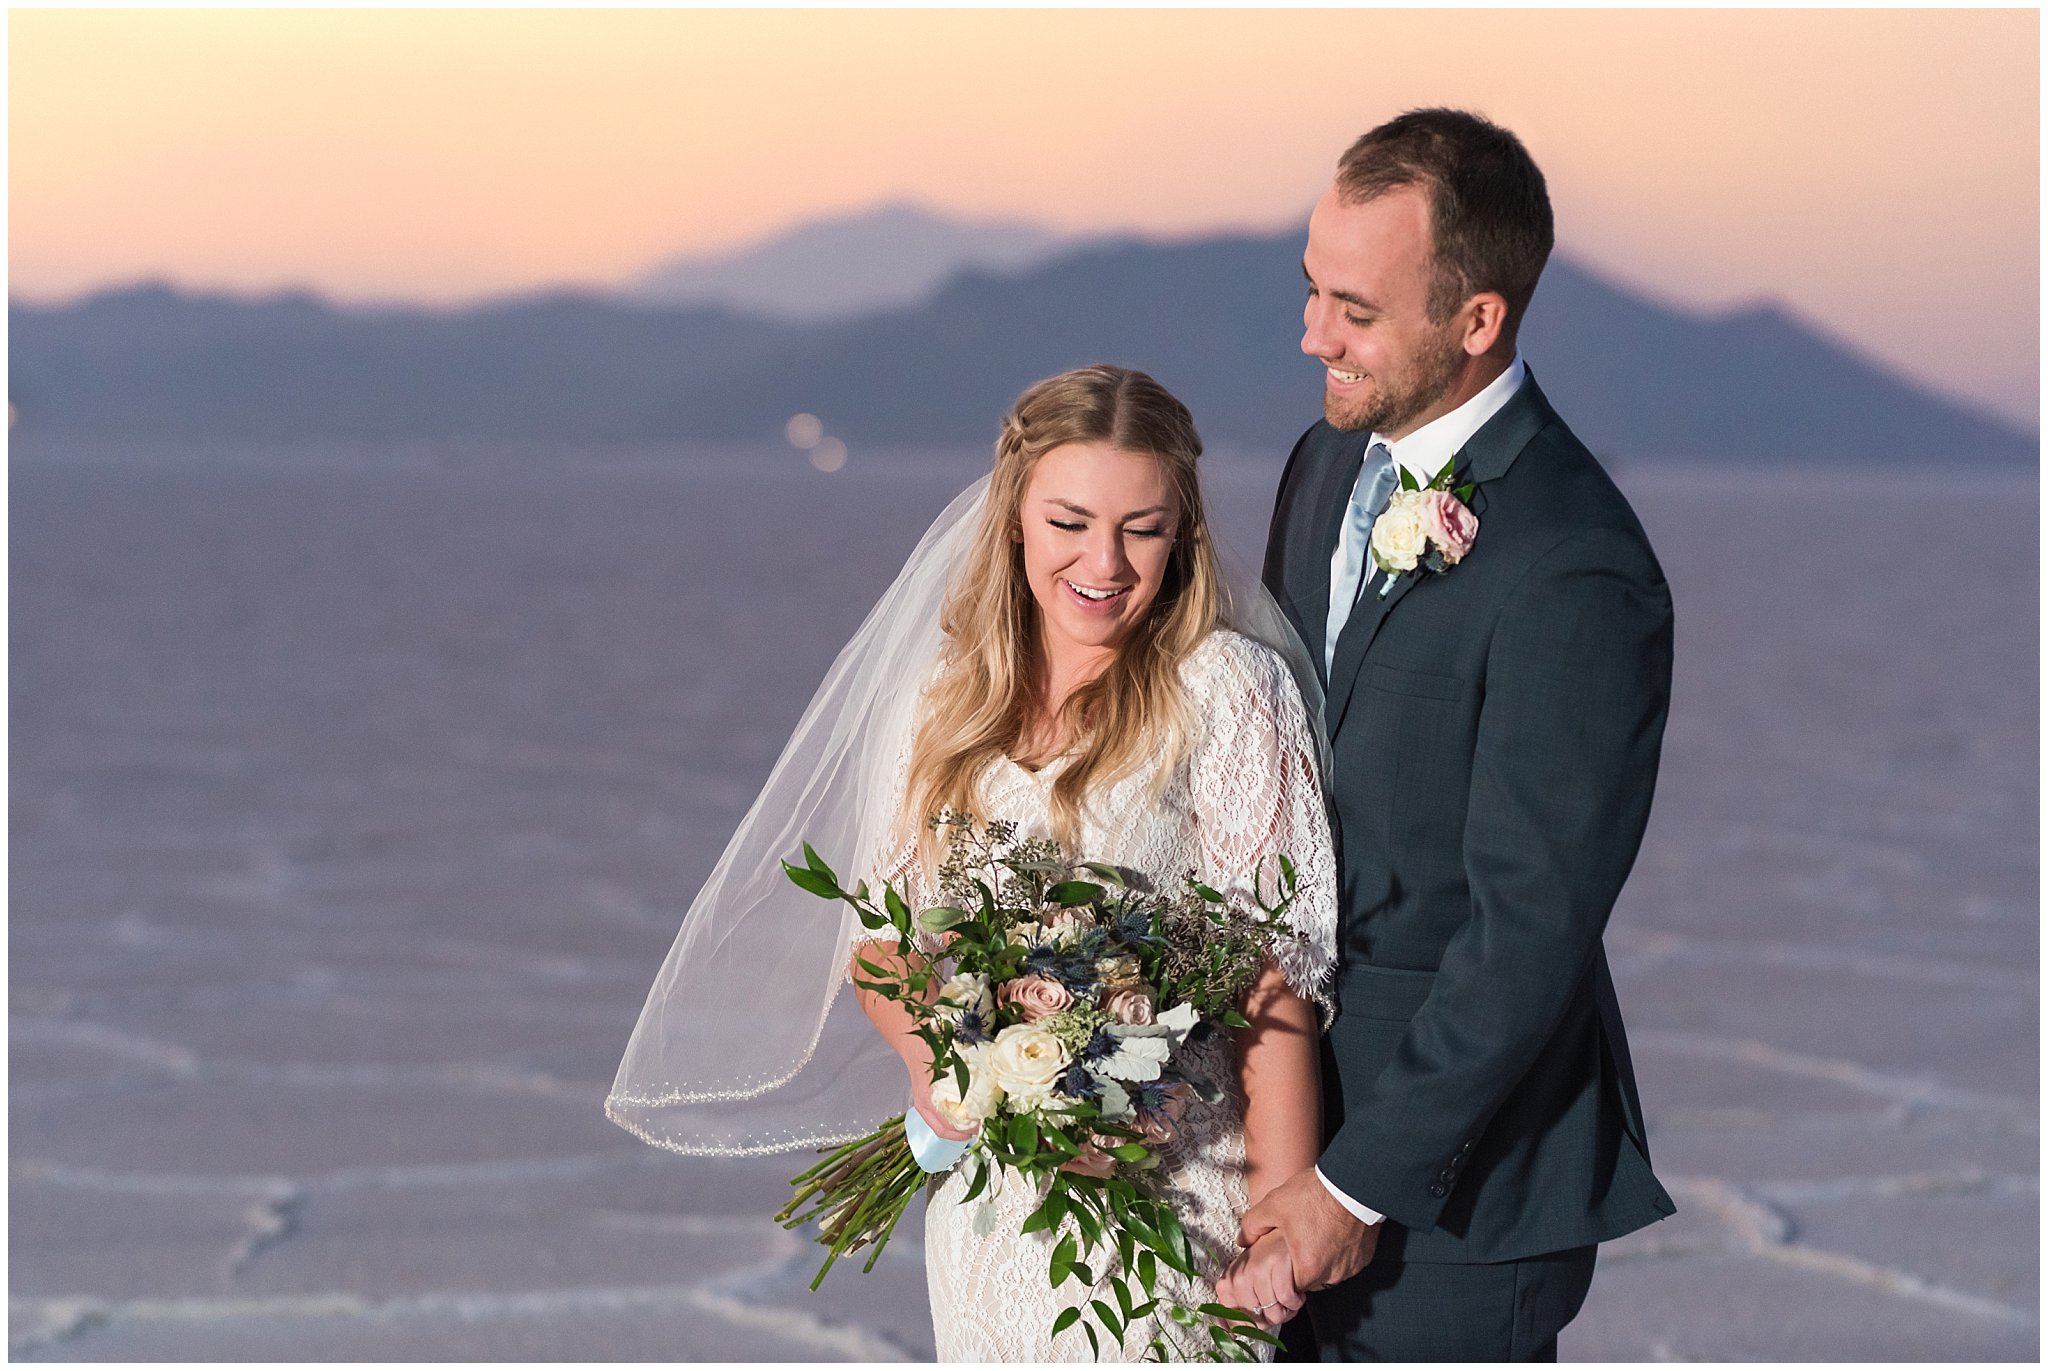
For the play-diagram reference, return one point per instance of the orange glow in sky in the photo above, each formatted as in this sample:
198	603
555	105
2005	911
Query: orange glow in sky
1876	169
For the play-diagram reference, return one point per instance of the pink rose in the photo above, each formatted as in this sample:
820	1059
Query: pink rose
1449	524
1128	1004
1035	996
1091	1162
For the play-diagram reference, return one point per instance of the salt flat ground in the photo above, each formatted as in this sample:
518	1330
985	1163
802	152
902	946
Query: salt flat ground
356	795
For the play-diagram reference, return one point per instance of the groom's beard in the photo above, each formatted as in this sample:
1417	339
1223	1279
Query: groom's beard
1393	402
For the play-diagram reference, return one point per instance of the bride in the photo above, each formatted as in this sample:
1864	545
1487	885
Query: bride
1060	651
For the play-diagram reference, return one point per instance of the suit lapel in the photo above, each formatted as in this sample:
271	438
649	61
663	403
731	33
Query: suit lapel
1359	630
1487	456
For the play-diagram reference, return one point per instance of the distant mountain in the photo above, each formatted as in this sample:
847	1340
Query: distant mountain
1216	320
893	257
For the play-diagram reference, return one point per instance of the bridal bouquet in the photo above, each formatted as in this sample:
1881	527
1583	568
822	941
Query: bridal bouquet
1056	999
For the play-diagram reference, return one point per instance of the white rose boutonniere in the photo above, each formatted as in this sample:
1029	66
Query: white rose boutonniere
1428	526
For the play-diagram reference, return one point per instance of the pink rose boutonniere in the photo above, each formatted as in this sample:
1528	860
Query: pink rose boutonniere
1428	526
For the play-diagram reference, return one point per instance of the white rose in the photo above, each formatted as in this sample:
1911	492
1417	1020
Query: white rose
968	1110
1025	1060
967	993
1398	535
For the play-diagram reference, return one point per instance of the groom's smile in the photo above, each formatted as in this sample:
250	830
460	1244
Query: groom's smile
1389	368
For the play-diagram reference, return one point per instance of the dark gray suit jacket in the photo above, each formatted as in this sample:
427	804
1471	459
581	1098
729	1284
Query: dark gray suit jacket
1494	734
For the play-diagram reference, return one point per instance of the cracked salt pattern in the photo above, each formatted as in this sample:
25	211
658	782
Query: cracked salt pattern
356	795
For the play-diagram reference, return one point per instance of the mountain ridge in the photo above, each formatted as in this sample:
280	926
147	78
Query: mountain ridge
1216	319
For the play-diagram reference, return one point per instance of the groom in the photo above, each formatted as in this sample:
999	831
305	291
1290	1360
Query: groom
1494	728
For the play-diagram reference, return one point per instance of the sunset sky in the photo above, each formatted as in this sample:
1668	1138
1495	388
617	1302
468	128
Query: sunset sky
1878	170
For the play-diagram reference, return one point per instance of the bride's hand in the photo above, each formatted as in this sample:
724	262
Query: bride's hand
1260	1280
921	1098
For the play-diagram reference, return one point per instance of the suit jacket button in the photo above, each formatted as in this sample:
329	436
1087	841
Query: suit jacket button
1438	1190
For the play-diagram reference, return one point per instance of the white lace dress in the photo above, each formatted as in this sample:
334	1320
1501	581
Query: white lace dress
1247	792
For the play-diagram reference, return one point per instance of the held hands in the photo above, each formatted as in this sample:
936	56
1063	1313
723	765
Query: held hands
1261	1281
1324	1242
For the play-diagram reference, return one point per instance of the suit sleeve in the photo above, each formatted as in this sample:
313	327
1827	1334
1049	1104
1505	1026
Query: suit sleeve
1577	687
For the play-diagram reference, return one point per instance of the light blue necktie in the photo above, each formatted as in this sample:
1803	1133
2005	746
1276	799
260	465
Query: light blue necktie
1375	486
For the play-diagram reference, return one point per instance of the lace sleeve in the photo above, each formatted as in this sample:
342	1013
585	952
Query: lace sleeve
1257	796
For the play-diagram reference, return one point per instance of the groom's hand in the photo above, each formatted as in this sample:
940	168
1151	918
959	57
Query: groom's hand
1326	1242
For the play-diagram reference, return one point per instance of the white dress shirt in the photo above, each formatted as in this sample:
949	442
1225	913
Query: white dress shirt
1421	454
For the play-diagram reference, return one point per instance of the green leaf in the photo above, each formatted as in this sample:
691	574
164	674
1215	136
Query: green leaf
1464	493
817	864
1233	1019
1068	893
1051	1214
1093	1345
899	912
823	886
980	1180
1023	1133
1148	1271
869	919
1130	1152
1123	1296
1069	1316
939	918
1090	1226
1084	1273
1108	873
1442	480
1180	1254
1062	1265
1223	1311
1407	480
1109	1319
1208	893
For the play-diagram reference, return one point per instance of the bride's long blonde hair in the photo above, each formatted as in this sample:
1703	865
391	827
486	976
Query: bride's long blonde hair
984	700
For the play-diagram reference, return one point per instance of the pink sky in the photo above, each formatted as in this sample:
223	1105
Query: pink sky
1876	169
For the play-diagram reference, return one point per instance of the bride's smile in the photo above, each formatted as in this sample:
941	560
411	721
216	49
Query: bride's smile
1097	526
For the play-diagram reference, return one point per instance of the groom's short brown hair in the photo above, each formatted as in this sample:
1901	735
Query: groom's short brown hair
1489	213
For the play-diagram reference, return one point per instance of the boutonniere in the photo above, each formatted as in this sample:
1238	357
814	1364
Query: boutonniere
1429	526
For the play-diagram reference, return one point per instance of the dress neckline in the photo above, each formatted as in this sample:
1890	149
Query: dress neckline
1034	771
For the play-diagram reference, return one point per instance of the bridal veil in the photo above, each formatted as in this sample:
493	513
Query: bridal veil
746	1044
